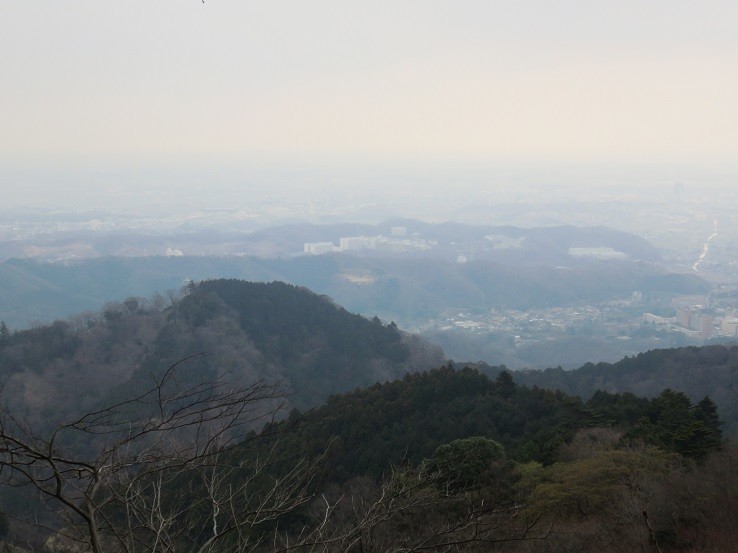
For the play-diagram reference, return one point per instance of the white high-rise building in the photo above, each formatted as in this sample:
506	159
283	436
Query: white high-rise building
356	242
317	248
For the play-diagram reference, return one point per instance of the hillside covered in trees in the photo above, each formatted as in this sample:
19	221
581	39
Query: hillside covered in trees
696	371
406	420
250	331
443	460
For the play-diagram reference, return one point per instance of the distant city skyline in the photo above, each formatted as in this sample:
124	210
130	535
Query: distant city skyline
174	94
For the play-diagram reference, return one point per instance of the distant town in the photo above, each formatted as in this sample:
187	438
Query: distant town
398	240
694	235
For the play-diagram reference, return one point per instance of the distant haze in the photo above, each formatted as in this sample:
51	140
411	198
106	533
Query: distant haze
430	190
103	100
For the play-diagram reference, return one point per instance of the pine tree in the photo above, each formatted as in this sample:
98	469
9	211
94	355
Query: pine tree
706	413
4	333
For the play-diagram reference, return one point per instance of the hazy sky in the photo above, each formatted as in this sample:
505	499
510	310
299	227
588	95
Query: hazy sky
414	81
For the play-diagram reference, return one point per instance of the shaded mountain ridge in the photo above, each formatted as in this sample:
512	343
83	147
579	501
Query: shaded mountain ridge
249	331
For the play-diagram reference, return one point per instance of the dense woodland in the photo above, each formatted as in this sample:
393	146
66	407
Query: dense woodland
450	460
406	420
193	428
585	472
696	371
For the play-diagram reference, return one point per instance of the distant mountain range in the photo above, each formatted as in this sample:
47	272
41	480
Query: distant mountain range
466	267
545	245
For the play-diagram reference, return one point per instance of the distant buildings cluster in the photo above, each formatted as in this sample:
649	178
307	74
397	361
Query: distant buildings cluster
318	248
397	240
693	322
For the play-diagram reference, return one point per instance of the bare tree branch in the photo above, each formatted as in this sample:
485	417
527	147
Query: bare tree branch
111	475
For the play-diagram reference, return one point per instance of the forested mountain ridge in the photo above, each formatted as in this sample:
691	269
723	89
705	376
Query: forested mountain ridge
696	371
406	420
253	331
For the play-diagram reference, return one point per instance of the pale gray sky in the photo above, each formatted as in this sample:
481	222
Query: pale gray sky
478	81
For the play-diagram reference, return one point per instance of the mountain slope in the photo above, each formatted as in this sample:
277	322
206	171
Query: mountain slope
696	371
247	331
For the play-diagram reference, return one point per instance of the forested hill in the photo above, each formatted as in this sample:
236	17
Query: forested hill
696	371
252	331
446	457
405	421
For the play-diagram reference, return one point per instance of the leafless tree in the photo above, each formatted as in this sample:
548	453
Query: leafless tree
407	514
119	478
